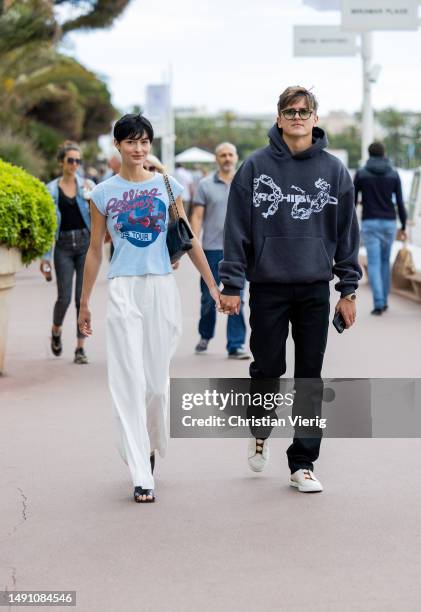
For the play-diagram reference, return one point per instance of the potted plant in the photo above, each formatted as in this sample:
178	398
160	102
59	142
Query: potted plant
27	227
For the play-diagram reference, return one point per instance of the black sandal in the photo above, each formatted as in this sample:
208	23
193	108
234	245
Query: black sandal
56	345
139	492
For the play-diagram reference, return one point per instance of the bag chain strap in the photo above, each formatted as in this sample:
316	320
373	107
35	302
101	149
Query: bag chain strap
173	205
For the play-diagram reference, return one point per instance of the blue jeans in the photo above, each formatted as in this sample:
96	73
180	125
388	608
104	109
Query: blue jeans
236	327
378	236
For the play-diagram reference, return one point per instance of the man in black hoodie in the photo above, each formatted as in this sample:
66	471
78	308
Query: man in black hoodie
290	226
380	185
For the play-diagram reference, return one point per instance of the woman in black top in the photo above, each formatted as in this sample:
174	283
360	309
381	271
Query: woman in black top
70	194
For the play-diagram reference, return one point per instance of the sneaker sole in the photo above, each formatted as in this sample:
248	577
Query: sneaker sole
262	466
256	469
302	490
241	358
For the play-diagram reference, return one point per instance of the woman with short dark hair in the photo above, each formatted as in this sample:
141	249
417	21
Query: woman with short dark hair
70	194
144	308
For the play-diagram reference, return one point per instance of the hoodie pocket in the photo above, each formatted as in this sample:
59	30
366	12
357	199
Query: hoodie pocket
302	259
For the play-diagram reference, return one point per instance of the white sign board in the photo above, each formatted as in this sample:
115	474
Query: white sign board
323	41
324	5
366	15
158	108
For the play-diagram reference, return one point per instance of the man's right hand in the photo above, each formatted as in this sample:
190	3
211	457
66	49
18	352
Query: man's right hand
401	235
230	304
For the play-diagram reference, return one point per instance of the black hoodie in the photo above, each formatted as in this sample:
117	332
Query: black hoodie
378	181
289	217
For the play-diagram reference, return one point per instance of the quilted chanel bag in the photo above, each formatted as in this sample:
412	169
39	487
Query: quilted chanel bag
179	234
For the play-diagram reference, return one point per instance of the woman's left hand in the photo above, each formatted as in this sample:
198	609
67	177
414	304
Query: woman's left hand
216	295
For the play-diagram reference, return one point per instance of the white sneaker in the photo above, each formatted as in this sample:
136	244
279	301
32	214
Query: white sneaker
258	454
305	481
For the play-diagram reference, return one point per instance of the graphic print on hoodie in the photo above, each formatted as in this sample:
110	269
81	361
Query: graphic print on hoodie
304	204
291	219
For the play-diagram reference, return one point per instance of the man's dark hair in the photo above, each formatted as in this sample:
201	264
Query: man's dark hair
377	149
134	127
292	94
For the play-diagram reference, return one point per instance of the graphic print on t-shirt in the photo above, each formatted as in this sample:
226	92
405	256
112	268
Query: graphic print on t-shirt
139	216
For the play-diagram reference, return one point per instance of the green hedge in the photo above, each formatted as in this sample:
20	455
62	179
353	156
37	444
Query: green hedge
27	214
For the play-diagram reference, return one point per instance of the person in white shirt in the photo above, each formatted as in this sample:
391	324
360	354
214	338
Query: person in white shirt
185	178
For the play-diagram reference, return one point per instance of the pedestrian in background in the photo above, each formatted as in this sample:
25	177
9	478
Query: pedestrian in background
197	175
185	178
70	193
208	212
113	167
381	192
153	164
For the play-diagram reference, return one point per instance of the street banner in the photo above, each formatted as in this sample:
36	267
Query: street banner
158	108
321	41
367	15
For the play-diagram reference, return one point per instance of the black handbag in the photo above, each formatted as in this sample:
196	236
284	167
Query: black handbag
179	234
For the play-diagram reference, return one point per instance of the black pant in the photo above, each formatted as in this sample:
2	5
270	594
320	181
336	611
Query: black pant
272	307
69	258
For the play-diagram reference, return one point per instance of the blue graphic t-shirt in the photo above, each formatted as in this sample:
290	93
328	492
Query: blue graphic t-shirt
137	220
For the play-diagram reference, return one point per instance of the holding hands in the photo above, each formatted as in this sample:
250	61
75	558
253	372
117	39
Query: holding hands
227	304
230	304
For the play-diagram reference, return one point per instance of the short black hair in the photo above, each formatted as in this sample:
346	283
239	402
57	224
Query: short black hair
377	149
132	126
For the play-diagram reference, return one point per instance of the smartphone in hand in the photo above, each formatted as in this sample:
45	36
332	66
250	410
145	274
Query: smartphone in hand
339	322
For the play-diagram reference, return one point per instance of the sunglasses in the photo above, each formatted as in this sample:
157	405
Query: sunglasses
150	168
73	160
303	113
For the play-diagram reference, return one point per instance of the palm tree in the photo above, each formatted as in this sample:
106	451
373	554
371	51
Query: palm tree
95	13
43	93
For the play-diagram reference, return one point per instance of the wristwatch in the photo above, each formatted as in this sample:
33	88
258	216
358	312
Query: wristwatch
350	297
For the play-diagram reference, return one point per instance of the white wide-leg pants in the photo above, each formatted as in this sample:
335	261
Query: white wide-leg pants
143	330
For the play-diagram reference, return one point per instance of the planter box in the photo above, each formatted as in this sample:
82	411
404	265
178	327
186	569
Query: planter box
10	263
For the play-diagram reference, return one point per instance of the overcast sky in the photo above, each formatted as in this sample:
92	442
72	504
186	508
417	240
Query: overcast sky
237	55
